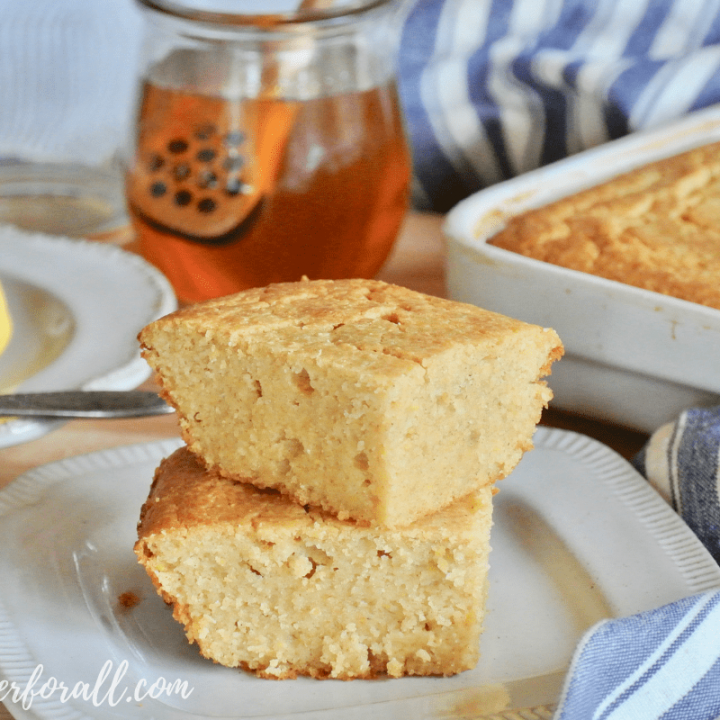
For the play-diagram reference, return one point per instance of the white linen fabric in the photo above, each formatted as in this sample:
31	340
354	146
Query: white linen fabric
68	71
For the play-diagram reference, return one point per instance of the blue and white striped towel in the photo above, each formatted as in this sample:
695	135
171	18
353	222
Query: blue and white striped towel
682	462
664	663
494	88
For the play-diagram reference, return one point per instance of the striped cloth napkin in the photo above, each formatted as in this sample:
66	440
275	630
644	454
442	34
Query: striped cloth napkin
682	462
494	88
664	663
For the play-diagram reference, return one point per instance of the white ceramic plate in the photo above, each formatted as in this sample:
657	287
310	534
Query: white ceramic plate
633	357
578	536
76	307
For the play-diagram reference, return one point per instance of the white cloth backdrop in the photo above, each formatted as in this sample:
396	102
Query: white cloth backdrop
67	77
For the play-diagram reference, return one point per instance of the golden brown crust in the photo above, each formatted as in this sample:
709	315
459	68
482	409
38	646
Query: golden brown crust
185	494
656	227
181	495
355	312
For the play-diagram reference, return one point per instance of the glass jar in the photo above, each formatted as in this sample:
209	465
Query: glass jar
267	147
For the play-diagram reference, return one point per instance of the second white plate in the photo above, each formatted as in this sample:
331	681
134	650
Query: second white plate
77	307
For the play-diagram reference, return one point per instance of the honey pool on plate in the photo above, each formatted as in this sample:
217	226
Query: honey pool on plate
230	194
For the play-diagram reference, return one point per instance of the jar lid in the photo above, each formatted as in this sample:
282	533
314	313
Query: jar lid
264	13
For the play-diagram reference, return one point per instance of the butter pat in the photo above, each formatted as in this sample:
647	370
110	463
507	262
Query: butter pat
369	400
6	327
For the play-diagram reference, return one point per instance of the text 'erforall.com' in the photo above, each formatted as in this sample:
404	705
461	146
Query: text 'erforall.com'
105	690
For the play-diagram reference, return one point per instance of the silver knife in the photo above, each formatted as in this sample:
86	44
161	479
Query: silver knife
84	404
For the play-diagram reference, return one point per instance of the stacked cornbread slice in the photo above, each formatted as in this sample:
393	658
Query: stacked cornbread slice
330	514
261	582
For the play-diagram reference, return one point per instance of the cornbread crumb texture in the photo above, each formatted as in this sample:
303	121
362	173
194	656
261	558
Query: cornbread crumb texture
264	584
370	400
657	227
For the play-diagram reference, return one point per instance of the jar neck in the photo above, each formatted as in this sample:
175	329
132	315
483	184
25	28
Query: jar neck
289	60
309	16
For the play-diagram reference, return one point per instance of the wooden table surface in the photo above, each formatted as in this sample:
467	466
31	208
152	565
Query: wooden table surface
416	262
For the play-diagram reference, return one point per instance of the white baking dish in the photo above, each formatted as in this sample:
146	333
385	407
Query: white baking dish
633	357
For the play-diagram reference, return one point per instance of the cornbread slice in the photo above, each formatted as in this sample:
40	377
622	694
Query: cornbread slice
261	583
369	400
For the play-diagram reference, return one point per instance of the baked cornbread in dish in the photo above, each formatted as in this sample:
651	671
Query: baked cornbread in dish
372	401
261	583
656	227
